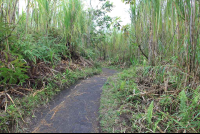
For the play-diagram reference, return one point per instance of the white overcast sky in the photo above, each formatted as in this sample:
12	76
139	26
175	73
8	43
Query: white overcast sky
120	9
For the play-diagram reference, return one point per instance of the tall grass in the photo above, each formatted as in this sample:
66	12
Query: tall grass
43	32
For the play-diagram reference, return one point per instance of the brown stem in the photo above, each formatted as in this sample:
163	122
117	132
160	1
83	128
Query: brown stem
143	52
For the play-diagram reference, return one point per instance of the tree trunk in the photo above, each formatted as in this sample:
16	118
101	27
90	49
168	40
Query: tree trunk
186	43
18	10
104	55
192	37
2	11
27	16
14	11
151	43
150	57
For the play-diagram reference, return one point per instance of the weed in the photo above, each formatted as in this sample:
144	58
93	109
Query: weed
37	98
136	92
150	112
13	72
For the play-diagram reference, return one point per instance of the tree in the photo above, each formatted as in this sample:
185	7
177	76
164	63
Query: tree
27	15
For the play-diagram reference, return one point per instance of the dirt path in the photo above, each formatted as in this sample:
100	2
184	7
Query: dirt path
75	111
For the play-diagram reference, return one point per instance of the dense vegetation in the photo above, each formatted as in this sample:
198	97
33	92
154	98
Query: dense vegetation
42	50
160	92
51	42
138	100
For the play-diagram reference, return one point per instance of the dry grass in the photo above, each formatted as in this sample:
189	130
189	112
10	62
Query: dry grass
126	99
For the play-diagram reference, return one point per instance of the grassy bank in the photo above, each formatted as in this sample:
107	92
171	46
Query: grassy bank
111	65
149	99
13	119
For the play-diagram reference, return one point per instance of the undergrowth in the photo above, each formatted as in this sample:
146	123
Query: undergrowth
150	100
34	66
110	65
13	120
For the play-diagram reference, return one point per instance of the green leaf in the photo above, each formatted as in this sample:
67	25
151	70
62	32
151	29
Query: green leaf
183	100
150	112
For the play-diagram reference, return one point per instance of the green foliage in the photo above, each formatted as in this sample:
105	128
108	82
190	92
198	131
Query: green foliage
183	100
122	86
134	61
150	112
15	73
47	51
196	96
28	103
50	30
166	100
4	29
73	20
167	111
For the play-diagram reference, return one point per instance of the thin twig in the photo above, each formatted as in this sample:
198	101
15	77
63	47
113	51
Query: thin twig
147	93
6	100
25	89
18	92
15	106
160	129
38	92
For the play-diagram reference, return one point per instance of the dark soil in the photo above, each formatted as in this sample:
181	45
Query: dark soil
74	110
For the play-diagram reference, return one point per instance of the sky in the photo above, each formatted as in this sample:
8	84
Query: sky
22	5
120	9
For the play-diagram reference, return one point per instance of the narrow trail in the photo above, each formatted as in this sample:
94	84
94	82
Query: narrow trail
76	111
